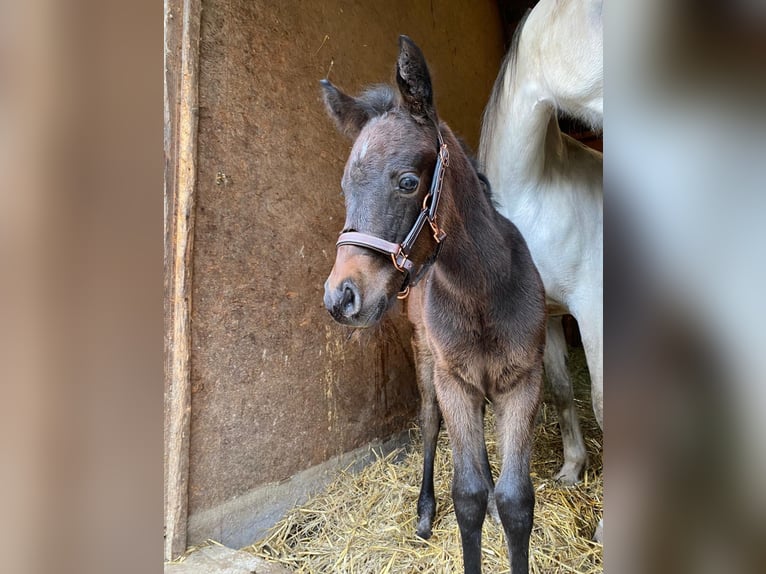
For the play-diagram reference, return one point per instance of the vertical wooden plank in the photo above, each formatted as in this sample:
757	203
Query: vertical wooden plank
182	30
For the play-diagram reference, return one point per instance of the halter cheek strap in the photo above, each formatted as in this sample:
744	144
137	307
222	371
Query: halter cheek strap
400	252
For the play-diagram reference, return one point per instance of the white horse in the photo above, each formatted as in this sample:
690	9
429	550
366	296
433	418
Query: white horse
551	186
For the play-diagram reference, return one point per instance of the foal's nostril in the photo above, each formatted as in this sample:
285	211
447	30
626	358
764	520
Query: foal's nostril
348	297
350	302
343	302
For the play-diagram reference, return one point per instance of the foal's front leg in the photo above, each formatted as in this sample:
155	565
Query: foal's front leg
462	408
516	408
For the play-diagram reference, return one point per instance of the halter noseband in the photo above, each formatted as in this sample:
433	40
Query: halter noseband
400	252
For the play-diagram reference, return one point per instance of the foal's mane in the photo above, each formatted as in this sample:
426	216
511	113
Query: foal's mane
483	180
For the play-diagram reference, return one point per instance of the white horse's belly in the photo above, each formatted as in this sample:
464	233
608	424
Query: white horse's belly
563	229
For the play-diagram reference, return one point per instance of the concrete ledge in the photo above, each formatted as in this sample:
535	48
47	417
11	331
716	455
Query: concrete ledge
243	520
222	560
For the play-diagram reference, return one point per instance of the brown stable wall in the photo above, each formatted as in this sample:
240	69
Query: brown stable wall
277	386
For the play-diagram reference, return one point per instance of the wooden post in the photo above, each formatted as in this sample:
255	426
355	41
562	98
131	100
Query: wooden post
182	32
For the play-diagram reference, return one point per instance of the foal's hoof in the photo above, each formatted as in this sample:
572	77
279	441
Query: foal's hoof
424	528
426	514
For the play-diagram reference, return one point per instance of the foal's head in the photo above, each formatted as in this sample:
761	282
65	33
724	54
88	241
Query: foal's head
385	183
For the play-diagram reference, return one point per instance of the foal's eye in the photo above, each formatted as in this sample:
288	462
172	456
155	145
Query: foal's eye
408	182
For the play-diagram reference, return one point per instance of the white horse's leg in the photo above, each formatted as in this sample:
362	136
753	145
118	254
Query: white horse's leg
598	535
557	373
592	332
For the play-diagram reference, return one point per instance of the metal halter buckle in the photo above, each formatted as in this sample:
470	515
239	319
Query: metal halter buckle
439	235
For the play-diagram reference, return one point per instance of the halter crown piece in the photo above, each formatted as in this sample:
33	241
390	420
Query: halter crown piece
400	252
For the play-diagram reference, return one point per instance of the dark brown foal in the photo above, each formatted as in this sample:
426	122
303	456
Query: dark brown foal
416	211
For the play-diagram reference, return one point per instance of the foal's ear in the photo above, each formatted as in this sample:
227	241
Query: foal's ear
349	114
414	80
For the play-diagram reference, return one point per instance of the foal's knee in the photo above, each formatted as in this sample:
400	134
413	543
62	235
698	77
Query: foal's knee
516	503
470	496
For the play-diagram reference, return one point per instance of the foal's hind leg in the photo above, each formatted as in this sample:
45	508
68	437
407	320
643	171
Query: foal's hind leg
575	455
430	421
462	407
516	409
491	504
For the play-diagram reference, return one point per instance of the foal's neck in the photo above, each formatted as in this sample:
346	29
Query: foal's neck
466	214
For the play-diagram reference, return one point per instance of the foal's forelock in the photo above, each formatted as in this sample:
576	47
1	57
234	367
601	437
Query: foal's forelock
389	140
380	99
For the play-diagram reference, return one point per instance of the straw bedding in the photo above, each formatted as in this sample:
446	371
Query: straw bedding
365	522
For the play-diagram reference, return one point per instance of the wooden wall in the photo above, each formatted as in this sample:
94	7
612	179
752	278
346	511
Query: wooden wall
275	385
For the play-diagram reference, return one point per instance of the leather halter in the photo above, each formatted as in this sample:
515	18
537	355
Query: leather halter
400	252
